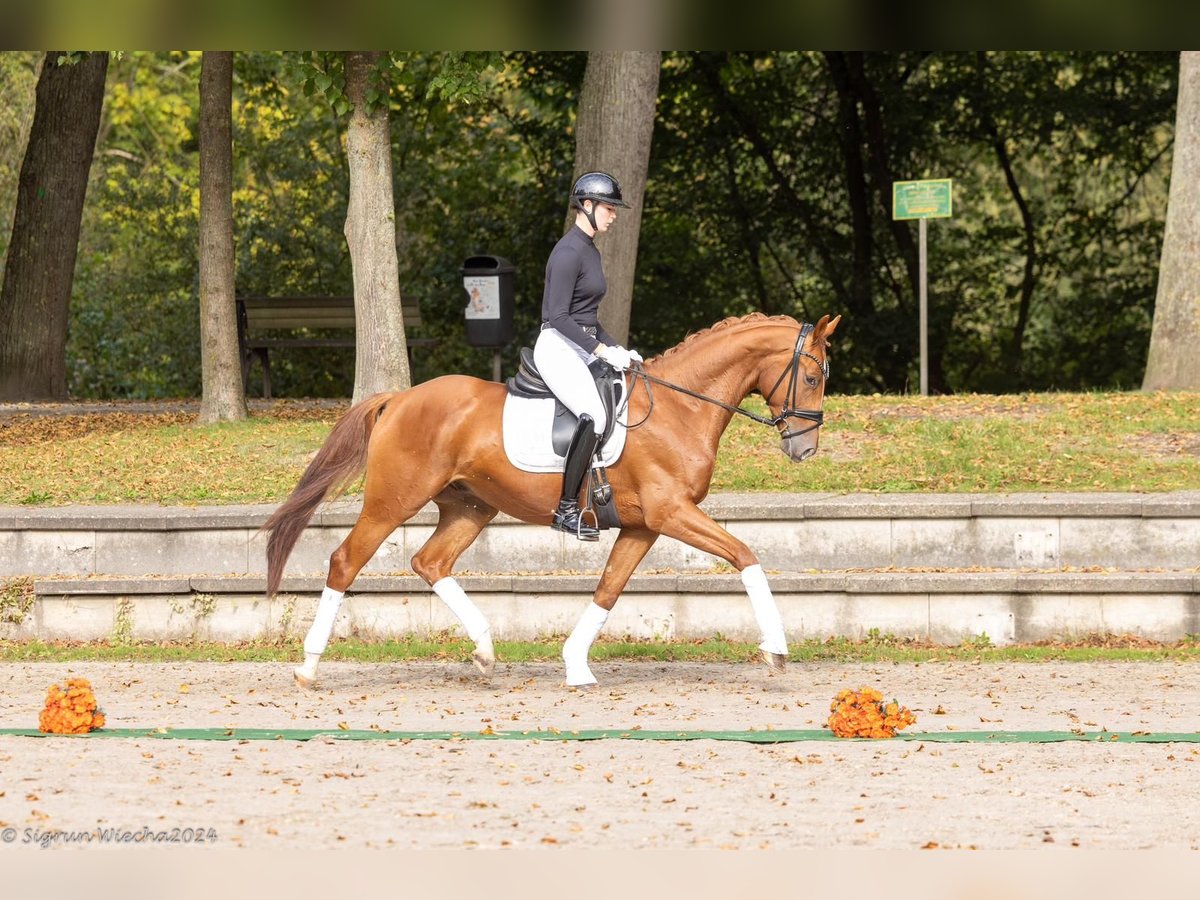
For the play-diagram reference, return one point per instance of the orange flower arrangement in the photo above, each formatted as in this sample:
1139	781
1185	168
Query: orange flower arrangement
863	713
72	711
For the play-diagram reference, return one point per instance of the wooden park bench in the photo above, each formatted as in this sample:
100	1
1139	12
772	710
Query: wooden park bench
262	321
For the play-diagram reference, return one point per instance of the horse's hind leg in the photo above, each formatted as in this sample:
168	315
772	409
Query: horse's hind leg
462	516
629	549
377	520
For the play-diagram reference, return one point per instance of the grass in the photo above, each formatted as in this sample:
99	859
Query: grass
974	443
970	443
875	649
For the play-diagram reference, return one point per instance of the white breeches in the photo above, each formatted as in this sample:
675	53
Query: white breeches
563	365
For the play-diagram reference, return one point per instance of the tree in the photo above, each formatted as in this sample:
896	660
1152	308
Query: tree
223	397
381	356
765	192
134	331
613	129
772	177
40	263
1173	363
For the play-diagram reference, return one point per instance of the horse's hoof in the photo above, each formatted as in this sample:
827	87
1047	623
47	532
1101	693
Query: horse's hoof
581	680
484	656
776	662
582	688
485	663
303	679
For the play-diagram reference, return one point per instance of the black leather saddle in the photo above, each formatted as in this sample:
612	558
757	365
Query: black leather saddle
528	383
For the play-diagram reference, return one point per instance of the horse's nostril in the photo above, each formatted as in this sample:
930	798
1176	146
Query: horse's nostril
807	453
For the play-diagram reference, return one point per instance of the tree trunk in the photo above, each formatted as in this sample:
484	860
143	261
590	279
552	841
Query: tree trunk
223	398
40	264
1174	363
857	190
381	356
1030	272
881	167
613	128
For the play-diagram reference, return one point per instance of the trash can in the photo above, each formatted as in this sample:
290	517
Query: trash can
488	290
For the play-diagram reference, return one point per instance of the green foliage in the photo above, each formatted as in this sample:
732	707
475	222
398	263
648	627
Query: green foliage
445	648
962	444
482	162
766	191
18	79
323	73
134	328
461	76
490	177
751	168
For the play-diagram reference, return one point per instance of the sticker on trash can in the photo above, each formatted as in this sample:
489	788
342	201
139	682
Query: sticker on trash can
483	296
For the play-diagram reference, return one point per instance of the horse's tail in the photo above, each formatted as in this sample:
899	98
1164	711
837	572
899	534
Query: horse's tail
340	460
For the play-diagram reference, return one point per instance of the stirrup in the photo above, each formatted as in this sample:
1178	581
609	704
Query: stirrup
571	521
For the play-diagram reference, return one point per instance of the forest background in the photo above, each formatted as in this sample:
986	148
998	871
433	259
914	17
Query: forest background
769	188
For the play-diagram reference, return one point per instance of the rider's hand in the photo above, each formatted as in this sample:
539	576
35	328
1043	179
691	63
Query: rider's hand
635	356
617	357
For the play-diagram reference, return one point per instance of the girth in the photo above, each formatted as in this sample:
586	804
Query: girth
528	383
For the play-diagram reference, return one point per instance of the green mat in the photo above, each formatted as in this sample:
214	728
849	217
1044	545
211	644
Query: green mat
751	737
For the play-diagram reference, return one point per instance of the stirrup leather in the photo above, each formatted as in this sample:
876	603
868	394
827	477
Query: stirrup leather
601	490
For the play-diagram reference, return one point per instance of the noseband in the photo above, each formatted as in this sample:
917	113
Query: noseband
792	372
789	411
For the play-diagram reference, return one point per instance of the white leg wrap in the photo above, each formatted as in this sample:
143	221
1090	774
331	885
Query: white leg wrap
322	624
460	604
765	610
576	647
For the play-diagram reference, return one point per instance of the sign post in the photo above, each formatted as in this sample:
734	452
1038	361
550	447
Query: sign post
923	200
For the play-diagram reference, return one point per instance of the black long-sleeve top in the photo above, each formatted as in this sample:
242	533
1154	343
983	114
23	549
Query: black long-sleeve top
575	285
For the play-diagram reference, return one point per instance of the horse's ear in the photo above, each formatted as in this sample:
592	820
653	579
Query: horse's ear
827	327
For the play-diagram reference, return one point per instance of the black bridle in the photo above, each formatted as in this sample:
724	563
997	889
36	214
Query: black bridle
789	411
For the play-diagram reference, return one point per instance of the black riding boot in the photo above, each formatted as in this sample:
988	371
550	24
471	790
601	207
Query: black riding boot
568	517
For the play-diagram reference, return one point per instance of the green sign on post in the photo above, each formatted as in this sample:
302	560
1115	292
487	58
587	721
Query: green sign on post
922	199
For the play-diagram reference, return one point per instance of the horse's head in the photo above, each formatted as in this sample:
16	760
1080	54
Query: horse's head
792	380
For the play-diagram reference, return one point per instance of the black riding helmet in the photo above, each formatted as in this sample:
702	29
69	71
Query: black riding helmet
599	187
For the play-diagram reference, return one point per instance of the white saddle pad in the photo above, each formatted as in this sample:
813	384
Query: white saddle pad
527	438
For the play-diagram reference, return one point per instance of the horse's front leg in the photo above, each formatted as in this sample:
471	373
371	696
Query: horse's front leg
629	549
688	523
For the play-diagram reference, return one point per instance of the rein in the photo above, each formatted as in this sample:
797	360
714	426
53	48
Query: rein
789	411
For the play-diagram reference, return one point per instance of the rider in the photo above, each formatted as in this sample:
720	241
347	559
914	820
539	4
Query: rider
571	336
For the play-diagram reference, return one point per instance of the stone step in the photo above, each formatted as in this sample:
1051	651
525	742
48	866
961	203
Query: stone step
945	607
789	532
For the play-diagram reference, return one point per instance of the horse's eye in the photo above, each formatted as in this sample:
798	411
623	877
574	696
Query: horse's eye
811	380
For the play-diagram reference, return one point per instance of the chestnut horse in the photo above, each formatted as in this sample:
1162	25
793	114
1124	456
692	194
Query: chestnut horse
441	441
